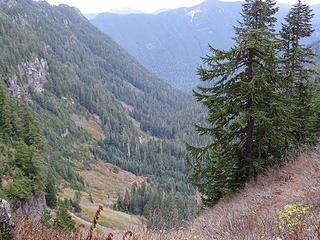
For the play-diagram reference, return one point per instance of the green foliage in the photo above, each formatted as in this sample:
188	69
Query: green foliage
90	198
291	216
115	170
163	210
314	121
297	60
70	205
21	187
75	206
22	149
23	158
16	44
63	219
51	194
45	218
91	78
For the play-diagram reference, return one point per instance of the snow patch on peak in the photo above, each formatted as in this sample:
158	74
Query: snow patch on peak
192	13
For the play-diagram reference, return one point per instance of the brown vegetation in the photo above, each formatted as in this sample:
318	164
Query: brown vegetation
256	212
91	125
252	213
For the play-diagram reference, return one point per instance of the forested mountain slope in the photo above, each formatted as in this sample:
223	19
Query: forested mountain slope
171	43
92	100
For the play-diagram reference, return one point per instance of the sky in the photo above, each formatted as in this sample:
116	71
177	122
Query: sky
147	6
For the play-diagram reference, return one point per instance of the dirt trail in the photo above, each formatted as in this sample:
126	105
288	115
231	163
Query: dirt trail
104	229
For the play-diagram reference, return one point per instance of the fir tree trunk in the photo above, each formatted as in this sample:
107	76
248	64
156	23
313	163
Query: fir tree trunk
250	157
250	121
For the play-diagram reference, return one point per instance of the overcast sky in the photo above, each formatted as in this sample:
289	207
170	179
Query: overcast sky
148	6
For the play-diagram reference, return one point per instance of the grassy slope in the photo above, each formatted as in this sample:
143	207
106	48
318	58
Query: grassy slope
104	182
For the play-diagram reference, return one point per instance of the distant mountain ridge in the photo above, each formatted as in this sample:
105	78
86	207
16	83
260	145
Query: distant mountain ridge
123	11
171	43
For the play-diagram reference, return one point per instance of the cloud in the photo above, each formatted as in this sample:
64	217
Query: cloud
148	6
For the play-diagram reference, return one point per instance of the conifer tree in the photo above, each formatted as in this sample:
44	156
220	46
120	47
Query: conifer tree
23	159
314	121
51	193
297	57
6	128
30	129
246	111
63	219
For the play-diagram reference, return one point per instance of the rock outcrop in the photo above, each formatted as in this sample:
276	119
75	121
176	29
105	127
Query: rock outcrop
9	3
6	221
32	73
31	208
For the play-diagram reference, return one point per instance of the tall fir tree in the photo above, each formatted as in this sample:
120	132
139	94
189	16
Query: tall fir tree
51	193
6	128
313	124
246	111
297	59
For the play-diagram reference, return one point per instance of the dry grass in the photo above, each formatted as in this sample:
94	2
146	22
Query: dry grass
105	184
91	125
249	214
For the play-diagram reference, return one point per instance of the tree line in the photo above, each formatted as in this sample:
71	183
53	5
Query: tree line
162	210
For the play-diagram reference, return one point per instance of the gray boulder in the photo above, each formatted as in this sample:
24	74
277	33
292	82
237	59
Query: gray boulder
6	221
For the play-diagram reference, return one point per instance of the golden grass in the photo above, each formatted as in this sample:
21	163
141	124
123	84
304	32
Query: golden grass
110	218
104	185
90	125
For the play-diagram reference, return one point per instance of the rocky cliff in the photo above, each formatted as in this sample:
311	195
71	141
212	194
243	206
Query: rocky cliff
32	73
6	222
31	208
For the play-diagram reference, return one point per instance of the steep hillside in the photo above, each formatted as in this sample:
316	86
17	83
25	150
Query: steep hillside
280	204
91	99
22	149
171	43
